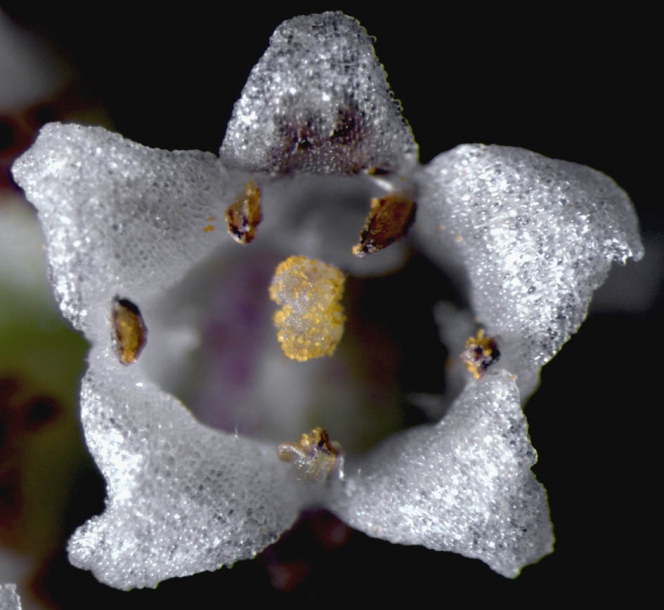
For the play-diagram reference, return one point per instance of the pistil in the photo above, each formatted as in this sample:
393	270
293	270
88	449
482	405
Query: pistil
310	322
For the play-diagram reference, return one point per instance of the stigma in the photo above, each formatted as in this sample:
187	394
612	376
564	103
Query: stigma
311	320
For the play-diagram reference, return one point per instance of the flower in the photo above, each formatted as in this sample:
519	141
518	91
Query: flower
133	250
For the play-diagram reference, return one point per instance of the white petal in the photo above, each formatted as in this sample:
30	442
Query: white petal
536	237
122	219
463	485
318	100
118	217
182	498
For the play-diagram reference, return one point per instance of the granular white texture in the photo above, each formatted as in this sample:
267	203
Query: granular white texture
462	485
117	215
530	238
9	599
182	498
536	237
318	100
124	220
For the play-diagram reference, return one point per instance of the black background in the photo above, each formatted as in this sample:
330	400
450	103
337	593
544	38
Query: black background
576	85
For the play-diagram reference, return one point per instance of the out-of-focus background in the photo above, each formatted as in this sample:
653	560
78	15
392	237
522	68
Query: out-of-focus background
577	85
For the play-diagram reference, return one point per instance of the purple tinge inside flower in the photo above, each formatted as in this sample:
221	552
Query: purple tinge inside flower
214	344
525	239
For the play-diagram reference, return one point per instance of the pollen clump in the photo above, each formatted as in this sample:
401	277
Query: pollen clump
310	323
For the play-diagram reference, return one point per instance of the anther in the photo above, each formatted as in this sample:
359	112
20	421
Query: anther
480	353
245	214
129	332
314	455
389	219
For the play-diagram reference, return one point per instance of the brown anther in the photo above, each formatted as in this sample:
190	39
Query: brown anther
389	220
480	353
245	214
314	455
129	332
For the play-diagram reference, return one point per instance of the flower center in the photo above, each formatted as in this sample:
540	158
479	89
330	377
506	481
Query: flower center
239	373
310	322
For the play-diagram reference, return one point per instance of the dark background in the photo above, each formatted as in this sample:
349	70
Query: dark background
576	85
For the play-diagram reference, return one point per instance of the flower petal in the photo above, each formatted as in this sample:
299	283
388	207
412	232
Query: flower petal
118	217
463	485
318	100
182	498
122	219
535	236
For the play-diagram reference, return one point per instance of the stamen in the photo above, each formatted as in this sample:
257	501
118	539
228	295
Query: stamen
314	455
480	353
389	219
311	321
130	334
245	214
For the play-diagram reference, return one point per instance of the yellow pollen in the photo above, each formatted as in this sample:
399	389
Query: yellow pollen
208	228
480	353
310	323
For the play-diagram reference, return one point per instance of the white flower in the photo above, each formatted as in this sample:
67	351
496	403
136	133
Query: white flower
318	131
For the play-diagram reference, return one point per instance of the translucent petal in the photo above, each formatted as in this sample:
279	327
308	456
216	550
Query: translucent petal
535	236
318	100
463	485
118	217
121	219
182	498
